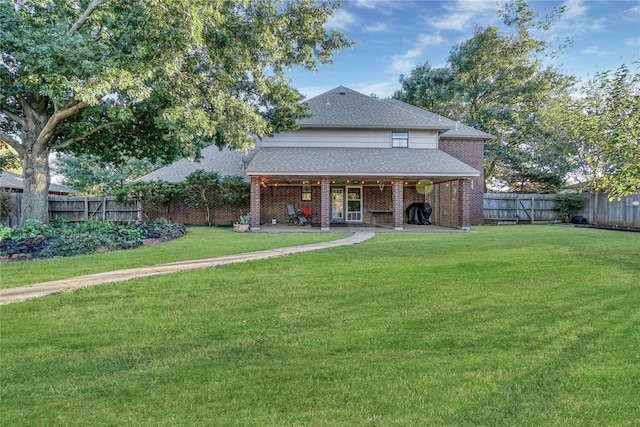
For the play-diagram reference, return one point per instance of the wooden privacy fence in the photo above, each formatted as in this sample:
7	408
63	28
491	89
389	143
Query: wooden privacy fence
80	209
621	213
512	208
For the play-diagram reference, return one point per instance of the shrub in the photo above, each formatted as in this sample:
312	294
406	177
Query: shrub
72	243
5	232
30	239
23	246
160	228
36	239
568	205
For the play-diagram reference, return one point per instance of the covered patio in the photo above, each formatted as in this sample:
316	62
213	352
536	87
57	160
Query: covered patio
351	186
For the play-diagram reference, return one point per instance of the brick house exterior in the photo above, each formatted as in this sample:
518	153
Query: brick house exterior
357	160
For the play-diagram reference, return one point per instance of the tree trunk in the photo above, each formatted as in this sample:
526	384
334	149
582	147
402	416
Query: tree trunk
36	180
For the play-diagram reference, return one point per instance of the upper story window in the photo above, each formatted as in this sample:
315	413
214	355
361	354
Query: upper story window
399	139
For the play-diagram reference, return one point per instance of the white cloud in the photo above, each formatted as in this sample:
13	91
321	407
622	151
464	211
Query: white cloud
380	89
403	64
342	20
632	14
633	42
430	39
462	14
377	4
593	51
574	9
576	20
379	27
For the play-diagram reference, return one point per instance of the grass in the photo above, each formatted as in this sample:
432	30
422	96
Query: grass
200	242
527	325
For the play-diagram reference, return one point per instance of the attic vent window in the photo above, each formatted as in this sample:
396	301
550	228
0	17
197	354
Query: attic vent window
399	139
342	92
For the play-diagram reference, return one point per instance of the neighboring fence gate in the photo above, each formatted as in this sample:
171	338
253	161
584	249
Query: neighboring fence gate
80	209
511	208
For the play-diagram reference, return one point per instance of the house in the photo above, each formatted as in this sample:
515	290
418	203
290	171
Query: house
224	161
13	183
358	159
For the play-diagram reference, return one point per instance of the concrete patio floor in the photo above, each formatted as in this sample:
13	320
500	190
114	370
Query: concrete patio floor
353	228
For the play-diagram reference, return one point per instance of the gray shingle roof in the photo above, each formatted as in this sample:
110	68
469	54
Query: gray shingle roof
357	162
225	162
456	129
12	181
346	108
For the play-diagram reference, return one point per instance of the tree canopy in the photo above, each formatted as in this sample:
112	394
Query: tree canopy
151	79
496	82
601	126
94	177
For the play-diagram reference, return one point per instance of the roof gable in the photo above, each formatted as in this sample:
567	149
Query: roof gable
345	108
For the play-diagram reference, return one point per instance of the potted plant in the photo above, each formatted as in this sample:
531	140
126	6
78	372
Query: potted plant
243	223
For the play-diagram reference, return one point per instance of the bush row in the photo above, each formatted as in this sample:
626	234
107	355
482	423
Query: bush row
38	240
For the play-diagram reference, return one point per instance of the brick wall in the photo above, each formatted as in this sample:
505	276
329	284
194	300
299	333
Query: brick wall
178	211
472	153
274	202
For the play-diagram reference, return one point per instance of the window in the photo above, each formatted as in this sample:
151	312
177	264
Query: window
399	139
306	193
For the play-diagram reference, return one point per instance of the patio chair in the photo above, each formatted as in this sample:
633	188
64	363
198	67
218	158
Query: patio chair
295	217
306	211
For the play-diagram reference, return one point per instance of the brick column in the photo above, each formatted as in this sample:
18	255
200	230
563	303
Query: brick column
398	202
255	203
325	204
464	204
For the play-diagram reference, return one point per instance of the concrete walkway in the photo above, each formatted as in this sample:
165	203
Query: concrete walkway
48	288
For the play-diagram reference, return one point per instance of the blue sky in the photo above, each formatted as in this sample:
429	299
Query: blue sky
394	36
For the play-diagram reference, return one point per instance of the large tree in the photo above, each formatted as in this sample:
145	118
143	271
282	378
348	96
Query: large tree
95	177
497	82
601	126
150	78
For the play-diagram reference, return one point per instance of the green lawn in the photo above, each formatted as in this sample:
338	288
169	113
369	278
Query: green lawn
199	242
527	325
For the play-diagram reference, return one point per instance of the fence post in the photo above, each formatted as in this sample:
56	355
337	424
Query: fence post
533	210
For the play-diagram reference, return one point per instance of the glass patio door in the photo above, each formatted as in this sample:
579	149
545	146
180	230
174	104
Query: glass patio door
337	204
354	204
